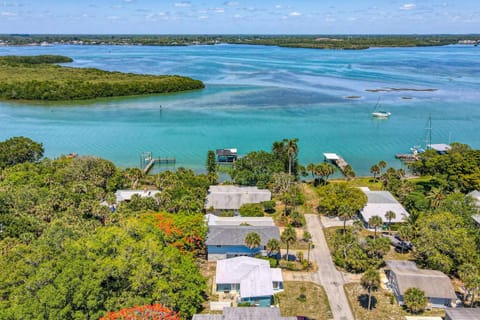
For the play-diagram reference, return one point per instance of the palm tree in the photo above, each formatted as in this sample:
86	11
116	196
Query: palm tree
311	169
382	165
346	212
390	215
288	236
291	147
370	281
252	241
415	299
436	196
375	169
273	245
324	170
375	222
348	172
405	233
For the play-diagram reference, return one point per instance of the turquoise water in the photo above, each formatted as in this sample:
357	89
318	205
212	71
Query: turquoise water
256	95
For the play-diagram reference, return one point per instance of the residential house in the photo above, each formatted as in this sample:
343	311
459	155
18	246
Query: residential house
126	195
476	198
225	242
437	287
379	203
245	314
462	314
233	197
252	279
213	220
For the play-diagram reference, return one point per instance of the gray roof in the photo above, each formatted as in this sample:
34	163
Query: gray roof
207	317
475	194
434	283
476	217
245	314
233	197
440	147
462	313
235	235
379	202
213	220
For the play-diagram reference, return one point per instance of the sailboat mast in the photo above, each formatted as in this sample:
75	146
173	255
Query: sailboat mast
429	133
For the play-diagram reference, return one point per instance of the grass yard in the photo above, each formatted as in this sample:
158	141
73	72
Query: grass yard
314	306
384	305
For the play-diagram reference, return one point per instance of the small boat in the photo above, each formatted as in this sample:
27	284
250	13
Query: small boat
377	113
381	114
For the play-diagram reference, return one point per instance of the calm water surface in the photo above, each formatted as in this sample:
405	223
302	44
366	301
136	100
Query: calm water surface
256	95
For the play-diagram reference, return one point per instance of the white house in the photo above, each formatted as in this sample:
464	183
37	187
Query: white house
379	203
126	195
251	278
233	197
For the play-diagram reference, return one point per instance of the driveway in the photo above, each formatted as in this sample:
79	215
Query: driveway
327	275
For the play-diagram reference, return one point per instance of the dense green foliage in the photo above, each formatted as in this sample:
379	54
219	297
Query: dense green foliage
18	150
302	41
458	169
256	169
23	78
65	255
41	59
251	210
415	300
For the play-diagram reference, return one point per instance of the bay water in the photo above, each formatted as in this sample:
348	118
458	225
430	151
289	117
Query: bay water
255	95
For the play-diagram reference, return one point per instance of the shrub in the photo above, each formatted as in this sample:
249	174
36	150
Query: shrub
251	210
269	206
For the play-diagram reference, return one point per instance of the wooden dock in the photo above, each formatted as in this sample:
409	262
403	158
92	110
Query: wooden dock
147	161
406	157
336	160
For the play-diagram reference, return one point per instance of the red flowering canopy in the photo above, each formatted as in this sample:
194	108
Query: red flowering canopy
147	312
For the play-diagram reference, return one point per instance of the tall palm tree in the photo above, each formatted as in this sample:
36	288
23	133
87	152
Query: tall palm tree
390	215
346	212
382	165
291	147
311	169
370	281
375	169
273	245
375	222
252	241
436	196
289	236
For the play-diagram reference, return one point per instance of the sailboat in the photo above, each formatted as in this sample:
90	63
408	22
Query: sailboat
381	114
428	141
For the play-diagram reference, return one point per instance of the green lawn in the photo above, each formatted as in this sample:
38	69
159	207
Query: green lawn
315	306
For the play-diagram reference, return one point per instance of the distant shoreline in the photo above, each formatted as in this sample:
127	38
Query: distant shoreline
340	42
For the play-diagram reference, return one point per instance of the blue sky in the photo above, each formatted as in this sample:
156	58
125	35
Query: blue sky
239	16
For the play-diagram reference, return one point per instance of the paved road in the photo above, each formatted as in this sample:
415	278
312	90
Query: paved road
327	275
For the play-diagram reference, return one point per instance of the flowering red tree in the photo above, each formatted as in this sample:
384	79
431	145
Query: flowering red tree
147	312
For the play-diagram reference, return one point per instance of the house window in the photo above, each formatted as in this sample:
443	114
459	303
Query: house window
218	246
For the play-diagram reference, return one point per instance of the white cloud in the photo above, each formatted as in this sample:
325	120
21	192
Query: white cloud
183	4
237	16
219	10
278	6
128	1
8	14
203	17
408	6
113	18
295	14
231	3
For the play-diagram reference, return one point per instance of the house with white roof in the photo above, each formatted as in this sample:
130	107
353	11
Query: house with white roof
126	195
233	197
245	314
379	203
252	279
213	220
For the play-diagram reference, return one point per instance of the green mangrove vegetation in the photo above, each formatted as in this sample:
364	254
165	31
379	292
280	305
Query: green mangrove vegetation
39	78
294	41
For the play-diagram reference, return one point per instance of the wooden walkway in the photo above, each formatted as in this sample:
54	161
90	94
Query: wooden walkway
336	160
154	161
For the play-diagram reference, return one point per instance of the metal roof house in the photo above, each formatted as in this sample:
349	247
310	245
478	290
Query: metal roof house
213	220
440	148
126	195
233	197
251	278
462	314
437	287
226	155
379	203
225	242
245	314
